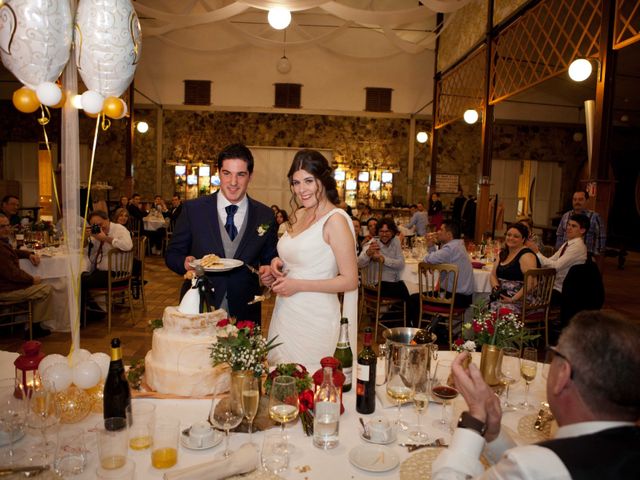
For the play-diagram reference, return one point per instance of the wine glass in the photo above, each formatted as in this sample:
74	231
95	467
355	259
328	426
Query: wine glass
420	393
283	400
250	400
44	415
398	389
225	414
444	389
528	370
13	410
509	361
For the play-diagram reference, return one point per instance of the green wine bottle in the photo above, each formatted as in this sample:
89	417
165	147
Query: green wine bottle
344	354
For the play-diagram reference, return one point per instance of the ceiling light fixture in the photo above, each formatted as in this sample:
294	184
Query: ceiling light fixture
580	70
142	127
471	116
284	65
279	18
422	137
76	102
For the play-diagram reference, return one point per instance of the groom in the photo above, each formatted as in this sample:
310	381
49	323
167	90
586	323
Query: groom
230	225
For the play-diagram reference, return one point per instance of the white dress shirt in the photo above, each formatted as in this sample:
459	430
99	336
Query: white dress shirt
574	254
461	459
121	238
241	213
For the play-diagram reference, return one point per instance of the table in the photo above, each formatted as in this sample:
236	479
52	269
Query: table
324	464
53	270
153	223
481	278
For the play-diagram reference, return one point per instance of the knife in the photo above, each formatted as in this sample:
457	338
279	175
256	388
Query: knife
28	469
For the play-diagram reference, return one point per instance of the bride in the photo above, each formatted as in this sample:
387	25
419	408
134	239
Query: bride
317	260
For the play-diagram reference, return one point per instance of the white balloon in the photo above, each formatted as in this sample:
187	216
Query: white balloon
35	39
49	360
59	375
103	360
92	102
86	374
79	356
49	94
108	44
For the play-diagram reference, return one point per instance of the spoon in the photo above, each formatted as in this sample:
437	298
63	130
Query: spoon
365	429
438	442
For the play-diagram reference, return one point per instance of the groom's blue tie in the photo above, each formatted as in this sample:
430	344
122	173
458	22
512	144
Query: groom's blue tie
230	226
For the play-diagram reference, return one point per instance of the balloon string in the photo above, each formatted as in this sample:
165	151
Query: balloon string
76	285
106	123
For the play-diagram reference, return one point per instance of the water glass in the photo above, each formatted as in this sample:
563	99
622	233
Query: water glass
71	454
164	453
112	443
275	453
126	472
509	361
13	411
143	416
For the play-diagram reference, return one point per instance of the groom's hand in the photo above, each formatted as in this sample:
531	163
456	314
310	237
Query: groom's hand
265	275
187	263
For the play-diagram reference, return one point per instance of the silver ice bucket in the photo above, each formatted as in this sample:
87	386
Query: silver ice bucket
398	337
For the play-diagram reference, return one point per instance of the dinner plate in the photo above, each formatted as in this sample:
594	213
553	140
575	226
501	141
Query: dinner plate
226	264
386	442
374	458
186	442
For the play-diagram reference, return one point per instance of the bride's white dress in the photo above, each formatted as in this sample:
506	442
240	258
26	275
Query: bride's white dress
308	323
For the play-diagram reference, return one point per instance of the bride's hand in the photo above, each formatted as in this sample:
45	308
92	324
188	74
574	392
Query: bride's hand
277	266
284	286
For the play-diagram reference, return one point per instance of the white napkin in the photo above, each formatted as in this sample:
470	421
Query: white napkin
243	460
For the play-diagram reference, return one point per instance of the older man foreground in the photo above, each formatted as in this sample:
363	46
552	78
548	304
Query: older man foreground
594	394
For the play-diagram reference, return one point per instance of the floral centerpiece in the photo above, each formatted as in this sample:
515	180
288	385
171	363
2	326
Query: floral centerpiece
241	345
492	331
303	387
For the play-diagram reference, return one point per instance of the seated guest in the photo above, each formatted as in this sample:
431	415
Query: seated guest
533	237
452	250
135	208
110	235
419	220
371	229
387	247
507	276
175	209
572	252
364	212
159	205
18	285
594	395
9	207
282	220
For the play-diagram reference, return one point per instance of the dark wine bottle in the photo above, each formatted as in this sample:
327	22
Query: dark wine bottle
366	376
117	394
421	337
344	354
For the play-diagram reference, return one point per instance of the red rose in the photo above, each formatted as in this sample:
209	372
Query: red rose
458	342
477	328
248	324
222	323
306	400
490	328
504	311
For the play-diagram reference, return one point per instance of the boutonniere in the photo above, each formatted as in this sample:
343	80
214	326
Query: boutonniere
262	229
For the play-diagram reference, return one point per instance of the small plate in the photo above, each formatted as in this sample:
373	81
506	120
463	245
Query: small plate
374	458
227	264
368	440
185	441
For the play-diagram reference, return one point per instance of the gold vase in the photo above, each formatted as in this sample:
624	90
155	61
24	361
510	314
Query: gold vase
489	366
237	377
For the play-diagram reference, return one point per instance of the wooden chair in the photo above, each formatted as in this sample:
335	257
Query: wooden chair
372	300
119	282
134	225
167	237
140	256
536	299
436	299
11	309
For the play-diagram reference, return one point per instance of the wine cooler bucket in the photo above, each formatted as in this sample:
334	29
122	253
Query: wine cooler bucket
402	337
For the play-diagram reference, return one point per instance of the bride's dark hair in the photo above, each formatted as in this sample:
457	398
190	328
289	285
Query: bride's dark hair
314	162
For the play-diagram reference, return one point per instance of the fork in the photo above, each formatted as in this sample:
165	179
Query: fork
438	442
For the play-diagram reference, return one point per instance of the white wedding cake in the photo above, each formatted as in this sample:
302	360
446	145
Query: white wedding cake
179	362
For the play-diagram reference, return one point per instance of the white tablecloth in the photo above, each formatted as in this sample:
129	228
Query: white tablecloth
481	278
153	223
53	271
331	464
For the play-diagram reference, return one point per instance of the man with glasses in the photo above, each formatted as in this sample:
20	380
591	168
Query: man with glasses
18	285
593	390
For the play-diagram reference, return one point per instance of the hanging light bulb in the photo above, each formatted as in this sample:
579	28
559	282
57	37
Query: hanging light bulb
470	116
76	102
284	65
279	18
580	70
142	127
422	137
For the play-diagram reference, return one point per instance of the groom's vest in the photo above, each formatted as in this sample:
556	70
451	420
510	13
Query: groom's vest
609	454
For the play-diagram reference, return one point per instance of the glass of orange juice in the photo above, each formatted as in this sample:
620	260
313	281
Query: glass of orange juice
164	452
143	416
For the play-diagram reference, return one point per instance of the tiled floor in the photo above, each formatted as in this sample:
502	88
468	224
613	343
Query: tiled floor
163	289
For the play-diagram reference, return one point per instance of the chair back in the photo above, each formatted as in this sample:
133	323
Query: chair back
538	286
134	225
371	280
120	267
434	280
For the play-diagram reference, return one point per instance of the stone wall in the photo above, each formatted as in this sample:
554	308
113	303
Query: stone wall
465	28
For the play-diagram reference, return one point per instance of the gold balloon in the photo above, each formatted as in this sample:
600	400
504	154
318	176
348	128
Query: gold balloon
113	107
96	394
25	100
63	99
73	404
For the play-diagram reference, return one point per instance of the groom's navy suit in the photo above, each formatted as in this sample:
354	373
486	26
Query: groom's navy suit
197	233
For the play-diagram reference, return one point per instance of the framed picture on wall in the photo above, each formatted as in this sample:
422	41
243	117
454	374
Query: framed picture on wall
520	210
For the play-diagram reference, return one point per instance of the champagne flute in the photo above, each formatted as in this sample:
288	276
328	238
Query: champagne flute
43	415
250	400
509	361
420	392
13	411
397	389
283	400
528	370
444	389
225	414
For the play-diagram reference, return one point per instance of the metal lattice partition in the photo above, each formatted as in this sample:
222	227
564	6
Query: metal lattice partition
542	43
627	24
461	88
